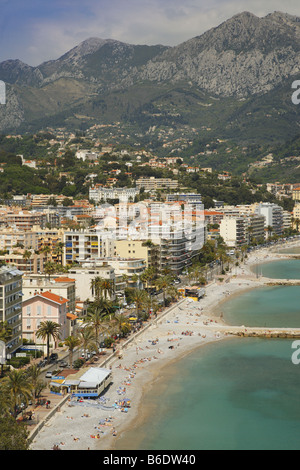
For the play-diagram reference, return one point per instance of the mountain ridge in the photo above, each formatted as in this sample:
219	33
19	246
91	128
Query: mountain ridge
243	58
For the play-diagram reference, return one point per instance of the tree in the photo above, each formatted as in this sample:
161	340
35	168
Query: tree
101	287
164	283
121	325
50	268
140	298
34	373
19	388
96	320
47	330
26	257
13	436
88	339
269	230
72	342
58	250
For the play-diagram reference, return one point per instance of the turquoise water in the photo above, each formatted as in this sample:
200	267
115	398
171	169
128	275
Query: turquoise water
237	394
267	306
282	269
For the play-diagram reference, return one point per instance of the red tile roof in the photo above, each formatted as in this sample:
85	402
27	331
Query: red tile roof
55	298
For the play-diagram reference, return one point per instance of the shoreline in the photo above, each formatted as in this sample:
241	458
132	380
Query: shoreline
141	368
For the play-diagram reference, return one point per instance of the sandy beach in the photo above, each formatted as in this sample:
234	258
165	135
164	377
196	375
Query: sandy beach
187	326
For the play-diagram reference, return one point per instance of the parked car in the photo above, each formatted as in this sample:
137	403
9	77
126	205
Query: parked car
49	375
63	364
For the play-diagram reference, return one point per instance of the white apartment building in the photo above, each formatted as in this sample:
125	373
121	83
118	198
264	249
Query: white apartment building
233	231
99	194
273	216
87	155
11	306
80	245
84	275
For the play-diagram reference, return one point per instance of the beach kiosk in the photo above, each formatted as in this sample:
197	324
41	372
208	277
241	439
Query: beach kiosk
90	384
195	293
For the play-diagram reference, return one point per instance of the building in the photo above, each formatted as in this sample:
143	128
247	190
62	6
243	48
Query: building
84	275
87	155
23	220
296	216
62	286
41	307
190	198
99	194
287	220
129	268
273	216
87	383
139	249
296	193
80	245
11	306
11	238
153	184
33	263
233	231
255	228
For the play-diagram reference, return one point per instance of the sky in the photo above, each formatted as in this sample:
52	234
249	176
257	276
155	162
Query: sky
35	31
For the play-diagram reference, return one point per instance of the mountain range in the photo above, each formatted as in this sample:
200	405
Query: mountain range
235	79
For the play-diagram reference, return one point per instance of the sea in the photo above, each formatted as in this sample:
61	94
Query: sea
236	394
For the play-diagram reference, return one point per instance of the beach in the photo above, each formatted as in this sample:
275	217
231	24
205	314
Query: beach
186	326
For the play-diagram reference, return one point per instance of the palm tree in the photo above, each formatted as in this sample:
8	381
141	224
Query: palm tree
140	298
19	388
88	339
26	257
5	331
96	320
269	230
47	330
59	249
164	283
34	373
148	275
101	286
121	325
47	250
72	342
50	268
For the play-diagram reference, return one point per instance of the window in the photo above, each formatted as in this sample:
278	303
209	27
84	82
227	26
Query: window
49	310
39	310
28	311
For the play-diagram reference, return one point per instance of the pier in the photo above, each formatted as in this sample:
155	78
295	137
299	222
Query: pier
257	332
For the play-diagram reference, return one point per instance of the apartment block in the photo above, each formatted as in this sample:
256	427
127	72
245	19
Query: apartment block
11	306
152	183
82	245
273	216
233	231
99	194
139	249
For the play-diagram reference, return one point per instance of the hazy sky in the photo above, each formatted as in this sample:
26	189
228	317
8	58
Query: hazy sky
38	30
